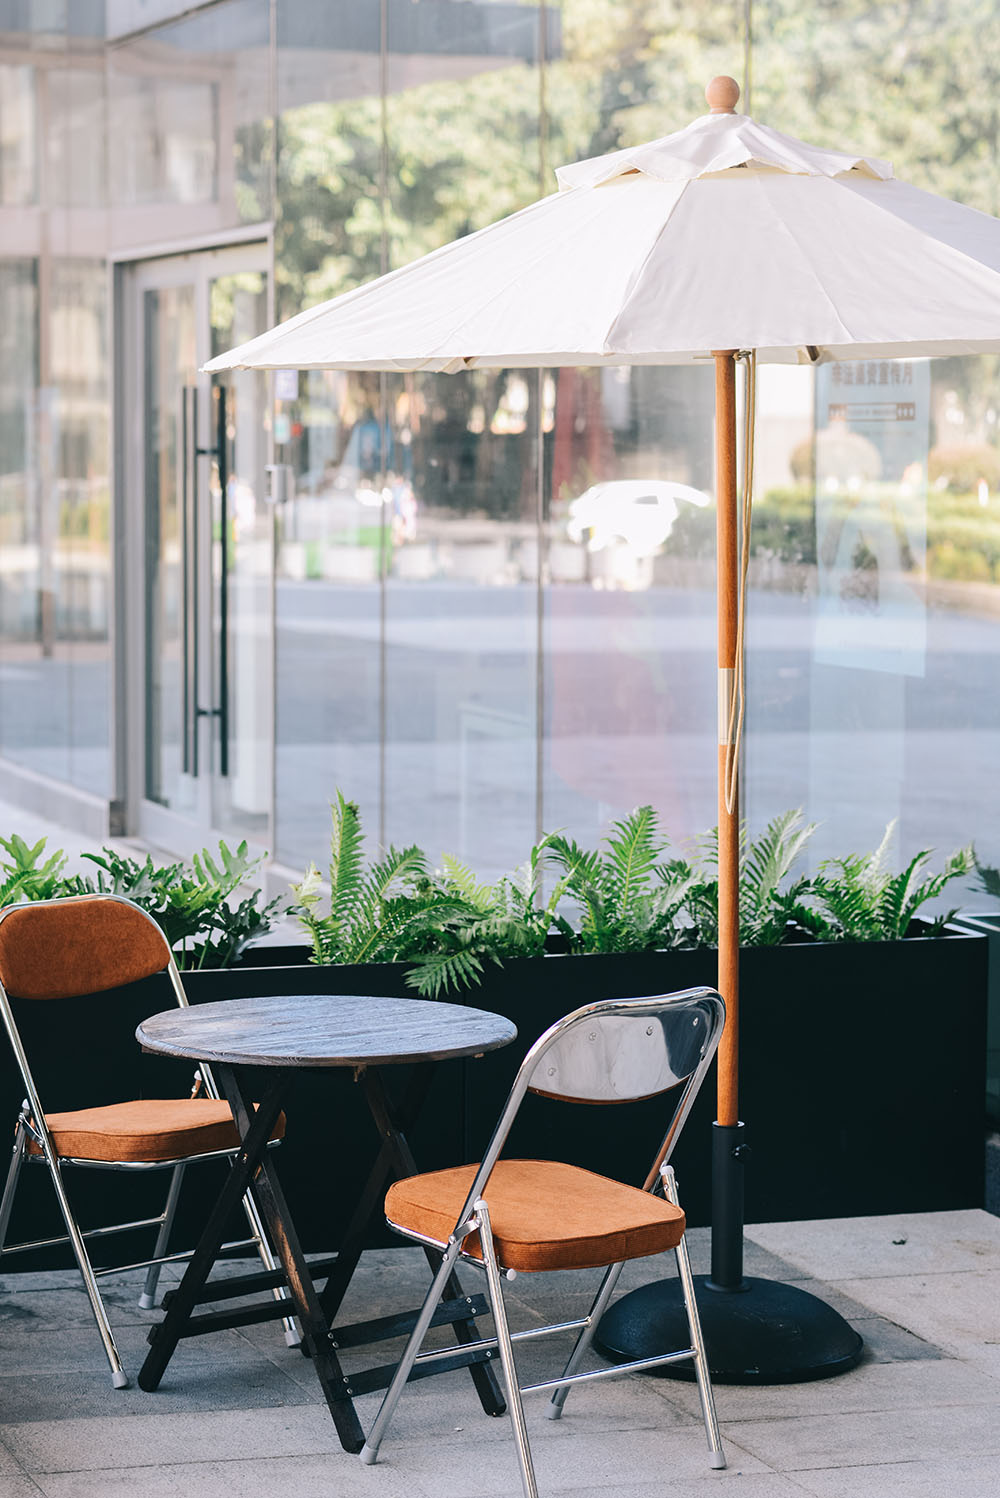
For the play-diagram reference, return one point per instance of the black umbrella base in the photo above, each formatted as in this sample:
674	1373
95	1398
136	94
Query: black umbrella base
764	1333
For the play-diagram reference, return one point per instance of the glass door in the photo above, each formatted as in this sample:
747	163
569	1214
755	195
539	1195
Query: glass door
204	729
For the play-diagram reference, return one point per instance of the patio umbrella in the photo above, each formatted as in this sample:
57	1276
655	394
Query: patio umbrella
724	240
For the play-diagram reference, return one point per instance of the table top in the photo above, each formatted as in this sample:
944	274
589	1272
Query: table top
312	1030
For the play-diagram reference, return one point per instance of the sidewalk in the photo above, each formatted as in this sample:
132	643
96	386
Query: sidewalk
239	1415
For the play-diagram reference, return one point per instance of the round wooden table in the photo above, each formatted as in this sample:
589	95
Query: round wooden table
258	1045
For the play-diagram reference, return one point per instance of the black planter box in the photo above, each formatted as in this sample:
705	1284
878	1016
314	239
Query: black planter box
861	1083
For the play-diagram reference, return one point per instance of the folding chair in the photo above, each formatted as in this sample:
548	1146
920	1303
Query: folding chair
531	1215
64	949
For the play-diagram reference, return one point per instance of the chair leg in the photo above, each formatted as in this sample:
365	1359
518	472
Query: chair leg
147	1300
369	1451
13	1175
119	1377
607	1288
506	1352
717	1457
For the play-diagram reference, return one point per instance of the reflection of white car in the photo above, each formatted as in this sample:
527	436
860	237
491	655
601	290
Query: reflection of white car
640	512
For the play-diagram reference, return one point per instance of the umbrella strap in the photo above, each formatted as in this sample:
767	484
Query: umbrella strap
738	699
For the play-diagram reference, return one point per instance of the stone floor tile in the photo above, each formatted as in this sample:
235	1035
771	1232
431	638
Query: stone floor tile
80	1445
871	1386
958	1478
566	1460
732	1482
333	1476
956	1310
19	1485
904	1243
59	1397
931	1433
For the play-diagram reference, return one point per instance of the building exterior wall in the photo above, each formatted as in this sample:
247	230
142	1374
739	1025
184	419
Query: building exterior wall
452	623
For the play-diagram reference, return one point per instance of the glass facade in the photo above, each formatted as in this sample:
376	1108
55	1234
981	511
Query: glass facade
479	605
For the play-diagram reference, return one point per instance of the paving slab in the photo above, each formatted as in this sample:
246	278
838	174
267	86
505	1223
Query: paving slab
930	1433
81	1445
844	1248
872	1386
958	1311
285	1477
958	1478
568	1459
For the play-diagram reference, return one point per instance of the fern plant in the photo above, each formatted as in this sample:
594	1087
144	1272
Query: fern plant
489	922
769	913
860	900
630	898
383	913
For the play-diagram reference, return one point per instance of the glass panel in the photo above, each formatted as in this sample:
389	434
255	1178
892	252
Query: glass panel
188	107
630	602
77	169
629	623
18	135
867	735
327	431
167	134
33	699
460	500
78	352
170	364
242	568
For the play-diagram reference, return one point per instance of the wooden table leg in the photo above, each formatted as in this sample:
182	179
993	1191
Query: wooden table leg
165	1336
274	1209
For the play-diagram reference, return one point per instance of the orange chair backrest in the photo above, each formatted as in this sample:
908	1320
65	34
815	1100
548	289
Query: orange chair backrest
58	949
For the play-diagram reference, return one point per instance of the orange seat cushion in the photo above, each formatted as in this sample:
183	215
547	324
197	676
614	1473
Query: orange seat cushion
545	1215
151	1129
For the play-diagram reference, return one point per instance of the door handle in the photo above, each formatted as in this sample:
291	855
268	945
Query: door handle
222	462
189	578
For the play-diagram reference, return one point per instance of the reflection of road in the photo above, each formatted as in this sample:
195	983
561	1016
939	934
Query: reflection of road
630	716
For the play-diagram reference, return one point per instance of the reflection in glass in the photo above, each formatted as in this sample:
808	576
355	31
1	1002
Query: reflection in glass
77	173
630	612
79	363
170	365
18	135
327	432
242	565
166	133
462	502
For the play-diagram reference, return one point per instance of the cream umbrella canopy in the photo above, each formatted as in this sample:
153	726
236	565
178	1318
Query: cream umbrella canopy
724	239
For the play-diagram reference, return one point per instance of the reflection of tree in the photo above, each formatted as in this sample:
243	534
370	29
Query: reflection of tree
914	80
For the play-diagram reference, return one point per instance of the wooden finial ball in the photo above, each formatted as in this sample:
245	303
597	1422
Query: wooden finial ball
722	94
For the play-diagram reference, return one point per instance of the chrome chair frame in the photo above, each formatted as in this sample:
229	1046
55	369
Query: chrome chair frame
31	1127
561	1065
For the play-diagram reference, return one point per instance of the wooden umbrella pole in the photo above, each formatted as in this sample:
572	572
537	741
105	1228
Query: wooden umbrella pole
727	564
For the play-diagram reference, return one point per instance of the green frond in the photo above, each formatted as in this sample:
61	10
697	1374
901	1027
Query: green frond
460	877
346	861
768	858
444	972
633	848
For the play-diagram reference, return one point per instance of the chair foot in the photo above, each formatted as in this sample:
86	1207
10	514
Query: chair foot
717	1459
553	1411
147	1302
368	1455
119	1378
293	1337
